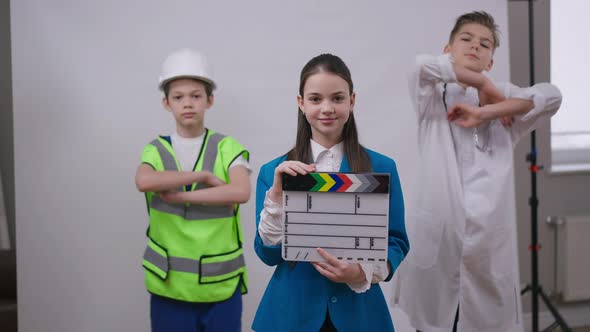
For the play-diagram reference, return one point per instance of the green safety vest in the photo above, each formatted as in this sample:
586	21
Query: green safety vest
194	252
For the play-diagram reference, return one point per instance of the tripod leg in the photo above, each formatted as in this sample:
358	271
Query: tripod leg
456	320
525	289
551	327
558	319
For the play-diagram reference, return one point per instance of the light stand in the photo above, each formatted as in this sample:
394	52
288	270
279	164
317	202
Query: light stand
534	247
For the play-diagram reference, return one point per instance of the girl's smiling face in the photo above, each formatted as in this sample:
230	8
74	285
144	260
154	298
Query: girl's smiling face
327	104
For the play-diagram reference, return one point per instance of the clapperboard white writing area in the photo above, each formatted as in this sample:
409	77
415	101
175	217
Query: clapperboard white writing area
343	213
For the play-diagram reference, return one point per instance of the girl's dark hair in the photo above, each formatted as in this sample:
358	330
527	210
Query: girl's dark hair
355	154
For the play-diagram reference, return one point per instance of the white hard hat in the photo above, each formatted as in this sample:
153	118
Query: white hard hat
185	63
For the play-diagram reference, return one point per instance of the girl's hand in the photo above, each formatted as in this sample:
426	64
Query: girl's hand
337	270
467	116
291	167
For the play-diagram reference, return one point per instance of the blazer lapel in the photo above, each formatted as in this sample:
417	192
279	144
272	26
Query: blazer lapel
344	166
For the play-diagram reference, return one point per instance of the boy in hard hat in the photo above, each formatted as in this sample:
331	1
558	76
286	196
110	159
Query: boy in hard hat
194	181
463	273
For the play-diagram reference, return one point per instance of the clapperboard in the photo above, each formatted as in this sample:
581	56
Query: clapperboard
346	214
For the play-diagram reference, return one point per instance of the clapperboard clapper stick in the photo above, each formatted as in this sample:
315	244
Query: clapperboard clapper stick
346	214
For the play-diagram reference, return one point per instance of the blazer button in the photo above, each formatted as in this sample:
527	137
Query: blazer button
334	299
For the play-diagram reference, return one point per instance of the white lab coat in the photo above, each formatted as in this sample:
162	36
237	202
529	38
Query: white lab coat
462	224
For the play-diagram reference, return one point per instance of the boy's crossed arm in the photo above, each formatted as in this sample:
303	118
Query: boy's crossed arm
470	116
489	94
165	183
149	180
237	191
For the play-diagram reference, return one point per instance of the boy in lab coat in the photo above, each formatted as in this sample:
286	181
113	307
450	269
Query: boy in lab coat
462	271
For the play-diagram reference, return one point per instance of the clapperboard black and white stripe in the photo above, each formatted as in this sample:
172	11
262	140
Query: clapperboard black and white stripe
346	214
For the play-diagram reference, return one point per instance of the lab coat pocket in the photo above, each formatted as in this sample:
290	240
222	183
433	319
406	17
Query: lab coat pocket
425	234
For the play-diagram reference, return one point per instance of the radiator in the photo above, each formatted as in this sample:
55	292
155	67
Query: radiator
573	259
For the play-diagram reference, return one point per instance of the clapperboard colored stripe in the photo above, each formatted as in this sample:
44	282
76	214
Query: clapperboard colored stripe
338	182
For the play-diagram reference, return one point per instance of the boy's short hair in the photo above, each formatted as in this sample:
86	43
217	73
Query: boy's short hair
208	87
478	17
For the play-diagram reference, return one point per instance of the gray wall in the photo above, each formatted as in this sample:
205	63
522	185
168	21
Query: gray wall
6	123
559	195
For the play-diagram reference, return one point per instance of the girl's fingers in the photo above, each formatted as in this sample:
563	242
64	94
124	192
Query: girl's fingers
323	271
303	166
287	170
300	169
330	259
295	167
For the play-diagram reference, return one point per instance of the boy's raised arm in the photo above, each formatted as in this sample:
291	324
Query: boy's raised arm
545	99
526	105
470	116
428	70
431	69
488	92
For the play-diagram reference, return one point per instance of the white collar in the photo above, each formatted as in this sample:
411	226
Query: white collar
317	149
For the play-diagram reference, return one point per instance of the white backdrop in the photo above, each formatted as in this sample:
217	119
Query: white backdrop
86	102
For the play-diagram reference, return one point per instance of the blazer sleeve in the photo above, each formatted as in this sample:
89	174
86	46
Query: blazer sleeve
269	255
398	243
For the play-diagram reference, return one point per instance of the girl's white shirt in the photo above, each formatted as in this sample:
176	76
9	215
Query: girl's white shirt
270	227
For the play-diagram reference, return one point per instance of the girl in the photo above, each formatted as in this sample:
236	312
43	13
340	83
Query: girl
333	295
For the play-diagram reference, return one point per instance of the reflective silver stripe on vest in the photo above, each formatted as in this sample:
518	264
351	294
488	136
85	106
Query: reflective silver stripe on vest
167	157
193	212
169	165
221	268
184	264
160	205
202	212
158	260
192	265
210	156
